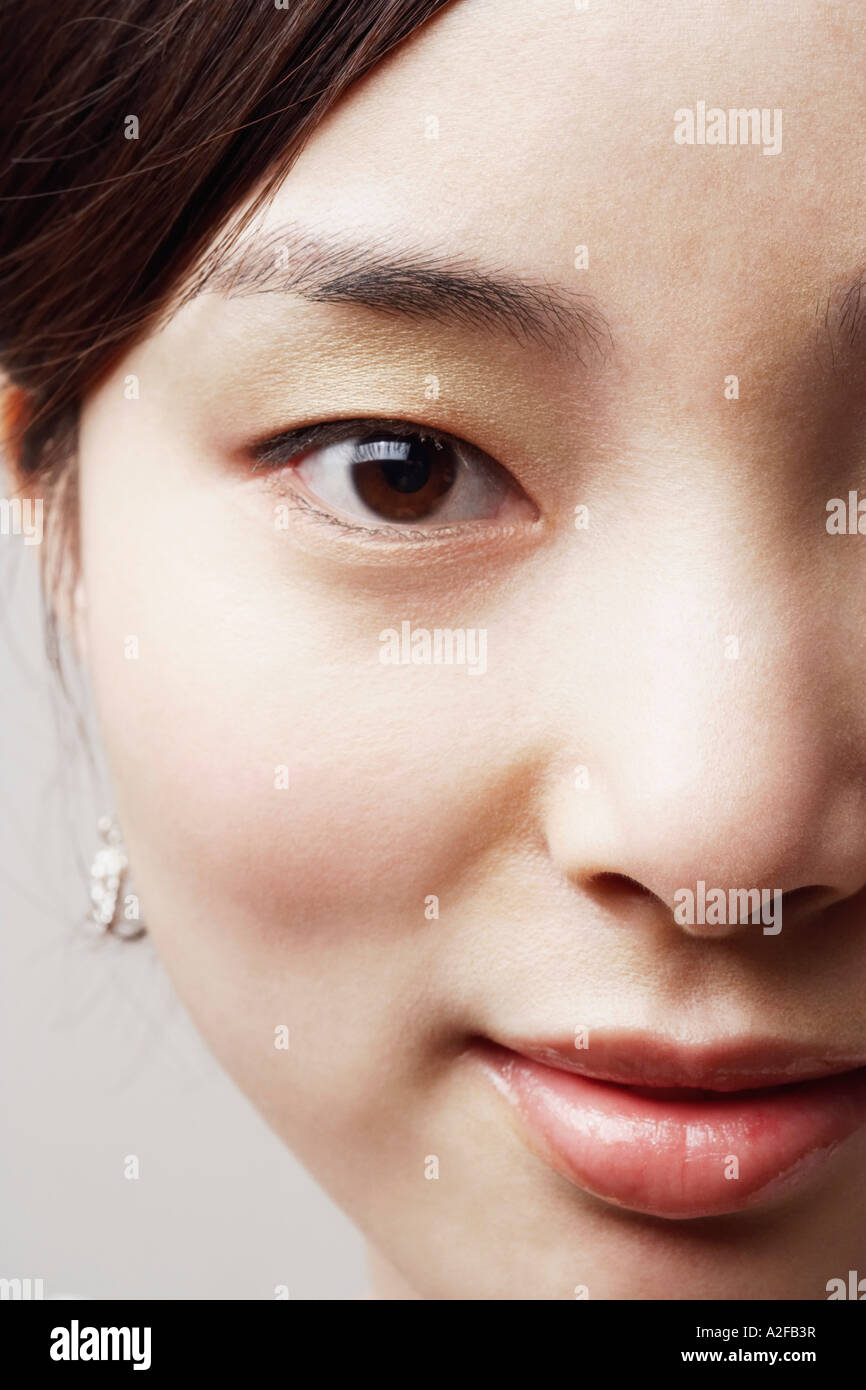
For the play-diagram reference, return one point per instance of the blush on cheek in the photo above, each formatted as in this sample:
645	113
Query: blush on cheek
349	796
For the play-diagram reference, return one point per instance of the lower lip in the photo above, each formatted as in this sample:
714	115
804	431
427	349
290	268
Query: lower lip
673	1158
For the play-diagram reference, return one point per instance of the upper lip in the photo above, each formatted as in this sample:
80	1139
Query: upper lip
645	1060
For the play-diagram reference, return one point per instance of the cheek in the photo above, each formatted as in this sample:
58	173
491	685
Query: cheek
288	802
263	755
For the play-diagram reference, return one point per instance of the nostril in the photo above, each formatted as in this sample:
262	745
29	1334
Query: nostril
611	888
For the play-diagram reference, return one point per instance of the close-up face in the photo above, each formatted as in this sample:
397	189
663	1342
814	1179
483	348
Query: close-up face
472	640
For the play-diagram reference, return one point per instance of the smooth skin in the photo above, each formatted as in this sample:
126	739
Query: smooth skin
608	647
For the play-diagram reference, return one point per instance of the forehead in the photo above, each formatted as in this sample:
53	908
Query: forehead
514	131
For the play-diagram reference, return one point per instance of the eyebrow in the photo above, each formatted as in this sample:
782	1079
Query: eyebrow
414	282
842	316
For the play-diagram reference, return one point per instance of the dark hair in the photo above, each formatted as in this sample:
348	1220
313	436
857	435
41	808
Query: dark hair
96	228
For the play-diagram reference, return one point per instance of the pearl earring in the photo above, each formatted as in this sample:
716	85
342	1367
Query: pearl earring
113	909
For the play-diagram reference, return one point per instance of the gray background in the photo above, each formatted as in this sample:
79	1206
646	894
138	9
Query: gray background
98	1059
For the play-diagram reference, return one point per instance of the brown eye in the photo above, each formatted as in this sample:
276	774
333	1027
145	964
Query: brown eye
403	478
388	473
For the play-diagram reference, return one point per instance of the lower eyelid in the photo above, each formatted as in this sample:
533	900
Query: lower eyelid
292	497
357	528
379	540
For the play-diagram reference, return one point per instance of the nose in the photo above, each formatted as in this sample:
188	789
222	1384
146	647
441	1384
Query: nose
717	781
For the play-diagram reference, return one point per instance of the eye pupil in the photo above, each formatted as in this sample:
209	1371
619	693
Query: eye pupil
407	475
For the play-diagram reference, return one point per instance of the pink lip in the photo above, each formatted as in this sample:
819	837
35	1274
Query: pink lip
679	1132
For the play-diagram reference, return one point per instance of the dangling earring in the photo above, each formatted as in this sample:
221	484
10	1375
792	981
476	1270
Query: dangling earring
109	875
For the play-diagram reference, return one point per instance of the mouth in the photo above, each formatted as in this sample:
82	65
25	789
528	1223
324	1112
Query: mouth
678	1132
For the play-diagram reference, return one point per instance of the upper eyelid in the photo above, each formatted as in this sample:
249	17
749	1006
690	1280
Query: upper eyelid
276	448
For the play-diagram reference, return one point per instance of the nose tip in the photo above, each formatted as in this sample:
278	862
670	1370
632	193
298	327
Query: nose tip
691	859
724	796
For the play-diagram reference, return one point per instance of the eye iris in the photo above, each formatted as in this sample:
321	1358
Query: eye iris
403	478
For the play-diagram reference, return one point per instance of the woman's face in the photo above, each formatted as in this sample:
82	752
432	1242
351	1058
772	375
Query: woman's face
454	883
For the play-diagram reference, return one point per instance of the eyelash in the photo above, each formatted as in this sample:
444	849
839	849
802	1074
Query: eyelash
270	454
280	447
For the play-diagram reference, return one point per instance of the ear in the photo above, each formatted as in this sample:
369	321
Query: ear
16	406
15	409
